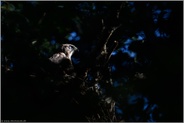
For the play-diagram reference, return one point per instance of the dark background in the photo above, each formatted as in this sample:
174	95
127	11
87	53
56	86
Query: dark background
153	32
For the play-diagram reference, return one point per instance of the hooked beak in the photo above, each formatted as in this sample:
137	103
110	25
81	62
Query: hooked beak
77	49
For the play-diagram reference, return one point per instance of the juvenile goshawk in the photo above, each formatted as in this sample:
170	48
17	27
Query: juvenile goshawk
63	58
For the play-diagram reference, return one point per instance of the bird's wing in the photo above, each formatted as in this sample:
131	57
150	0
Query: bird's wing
57	58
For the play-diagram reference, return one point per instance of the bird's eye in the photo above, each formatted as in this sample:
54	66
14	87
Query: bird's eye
70	47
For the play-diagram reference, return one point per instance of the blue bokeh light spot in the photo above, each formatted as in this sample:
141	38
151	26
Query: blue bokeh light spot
126	47
53	42
128	41
167	13
114	53
115	84
157	11
132	54
151	118
122	49
153	107
70	38
73	34
94	7
132	99
140	38
77	38
118	110
145	106
141	35
157	33
113	68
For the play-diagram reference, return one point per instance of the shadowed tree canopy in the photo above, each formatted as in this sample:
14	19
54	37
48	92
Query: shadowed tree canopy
128	67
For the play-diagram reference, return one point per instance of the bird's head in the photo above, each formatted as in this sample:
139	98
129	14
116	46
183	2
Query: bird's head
68	49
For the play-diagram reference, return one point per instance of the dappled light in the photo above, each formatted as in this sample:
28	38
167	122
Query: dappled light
92	61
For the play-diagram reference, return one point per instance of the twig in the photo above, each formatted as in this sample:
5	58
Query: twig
103	25
41	19
118	12
112	31
111	52
104	48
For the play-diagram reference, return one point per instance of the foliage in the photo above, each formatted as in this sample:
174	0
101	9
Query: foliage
128	67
